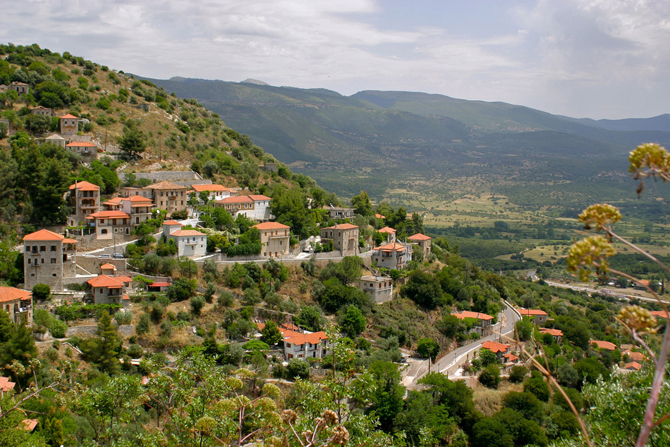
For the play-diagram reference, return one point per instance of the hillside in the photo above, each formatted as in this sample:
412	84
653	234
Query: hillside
433	145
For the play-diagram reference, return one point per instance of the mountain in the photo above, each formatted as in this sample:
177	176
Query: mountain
436	145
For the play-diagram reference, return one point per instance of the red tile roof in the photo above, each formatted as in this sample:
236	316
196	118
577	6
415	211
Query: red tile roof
81	144
271	226
419	237
210	188
391	247
635	356
554	332
379	216
166	185
298	338
259	197
111	214
633	365
387	230
6	385
171	222
531	312
511	357
29	424
495	347
67	240
108	266
344	226
43	235
235	199
159	284
187	233
85	186
68	116
8	294
110	282
136	199
604	345
467	314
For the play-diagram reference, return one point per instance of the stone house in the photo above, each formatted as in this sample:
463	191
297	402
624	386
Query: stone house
214	192
499	349
275	239
109	289
302	345
254	207
43	111
169	196
110	223
18	304
48	257
131	191
484	321
336	212
20	88
84	199
380	288
69	125
537	316
55	139
555	333
393	256
87	150
388	233
344	237
422	241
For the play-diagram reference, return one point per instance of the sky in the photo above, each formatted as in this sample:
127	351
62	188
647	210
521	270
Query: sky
580	58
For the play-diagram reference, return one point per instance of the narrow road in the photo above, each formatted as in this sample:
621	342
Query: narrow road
604	291
458	355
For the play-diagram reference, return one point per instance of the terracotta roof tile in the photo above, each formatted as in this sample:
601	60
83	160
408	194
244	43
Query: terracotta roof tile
259	197
187	233
81	144
379	216
344	226
12	294
210	188
635	356
531	312
85	186
235	199
43	235
633	365
108	215
467	314
171	222
29	424
110	282
108	266
68	116
495	347
391	247
166	185
419	237
554	332
387	230
604	345
271	226
6	385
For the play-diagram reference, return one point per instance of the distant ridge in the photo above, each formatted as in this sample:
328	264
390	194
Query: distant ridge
253	81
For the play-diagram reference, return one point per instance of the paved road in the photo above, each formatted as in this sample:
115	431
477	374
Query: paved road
603	291
458	355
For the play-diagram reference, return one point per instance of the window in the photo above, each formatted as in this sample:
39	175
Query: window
53	248
43	248
53	260
42	260
28	261
27	249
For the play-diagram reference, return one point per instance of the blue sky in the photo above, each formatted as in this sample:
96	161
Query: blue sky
581	58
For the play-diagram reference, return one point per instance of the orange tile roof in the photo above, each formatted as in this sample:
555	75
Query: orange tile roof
271	226
511	357
235	199
67	240
495	347
108	266
298	338
419	237
85	186
531	312
12	294
6	385
125	298
111	214
171	222
388	230
659	313
379	216
633	365
187	233
29	424
43	235
344	226
210	188
636	356
81	144
110	282
467	314
554	332
604	345
166	185
68	116
136	199
391	247
259	197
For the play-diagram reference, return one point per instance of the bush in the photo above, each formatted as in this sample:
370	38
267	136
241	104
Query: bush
518	373
123	317
226	299
41	292
490	376
58	328
197	303
297	369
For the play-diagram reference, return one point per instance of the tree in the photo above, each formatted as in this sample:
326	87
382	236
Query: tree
310	318
133	140
182	289
518	373
538	387
105	349
387	399
352	321
271	333
361	203
41	292
424	289
449	326
427	347
197	303
529	406
20	347
490	376
297	369
524	328
488	357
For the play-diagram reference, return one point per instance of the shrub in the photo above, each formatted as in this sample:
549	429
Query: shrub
518	373
297	369
490	376
123	317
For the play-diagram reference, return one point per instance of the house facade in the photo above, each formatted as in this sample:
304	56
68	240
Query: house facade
84	199
48	256
169	196
255	206
392	256
55	139
380	288
214	192
139	208
190	243
422	241
302	345
344	237
69	125
43	111
110	223
537	316
20	88
388	233
337	213
275	239
18	304
106	289
87	150
499	349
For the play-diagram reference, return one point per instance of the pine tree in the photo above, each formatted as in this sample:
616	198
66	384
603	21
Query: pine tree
106	354
6	327
19	347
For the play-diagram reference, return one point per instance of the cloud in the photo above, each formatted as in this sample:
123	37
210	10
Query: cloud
579	57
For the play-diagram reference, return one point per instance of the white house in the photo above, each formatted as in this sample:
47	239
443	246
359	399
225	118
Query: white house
302	344
190	243
215	192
